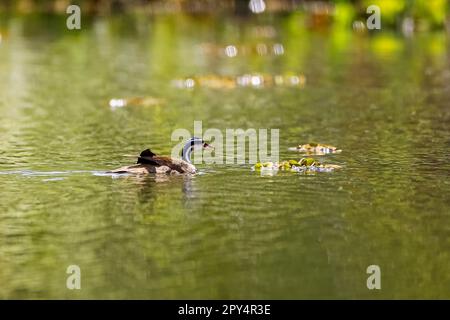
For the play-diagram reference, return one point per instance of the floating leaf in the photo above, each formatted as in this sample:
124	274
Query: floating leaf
315	148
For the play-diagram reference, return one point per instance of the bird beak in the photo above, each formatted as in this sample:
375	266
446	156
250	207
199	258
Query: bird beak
208	146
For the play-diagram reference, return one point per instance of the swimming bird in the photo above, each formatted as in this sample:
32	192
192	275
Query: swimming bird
148	162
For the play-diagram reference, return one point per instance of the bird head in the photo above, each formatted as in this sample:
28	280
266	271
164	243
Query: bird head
194	144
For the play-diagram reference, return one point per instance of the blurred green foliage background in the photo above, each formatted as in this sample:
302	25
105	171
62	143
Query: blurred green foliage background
428	14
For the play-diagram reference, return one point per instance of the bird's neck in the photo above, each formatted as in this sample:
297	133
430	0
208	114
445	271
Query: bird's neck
186	153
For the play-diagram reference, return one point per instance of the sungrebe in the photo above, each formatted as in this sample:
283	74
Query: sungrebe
148	162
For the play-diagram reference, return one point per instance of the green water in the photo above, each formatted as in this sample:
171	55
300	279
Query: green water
227	232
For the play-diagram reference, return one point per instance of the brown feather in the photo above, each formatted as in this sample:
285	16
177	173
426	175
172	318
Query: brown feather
148	162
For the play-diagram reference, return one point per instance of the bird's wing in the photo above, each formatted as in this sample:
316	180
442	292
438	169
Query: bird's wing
146	157
168	162
147	153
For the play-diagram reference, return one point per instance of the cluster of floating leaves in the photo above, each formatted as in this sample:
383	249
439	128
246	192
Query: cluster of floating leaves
136	101
315	148
231	51
303	165
246	80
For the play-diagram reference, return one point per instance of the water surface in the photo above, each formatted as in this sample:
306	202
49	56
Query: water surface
228	232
